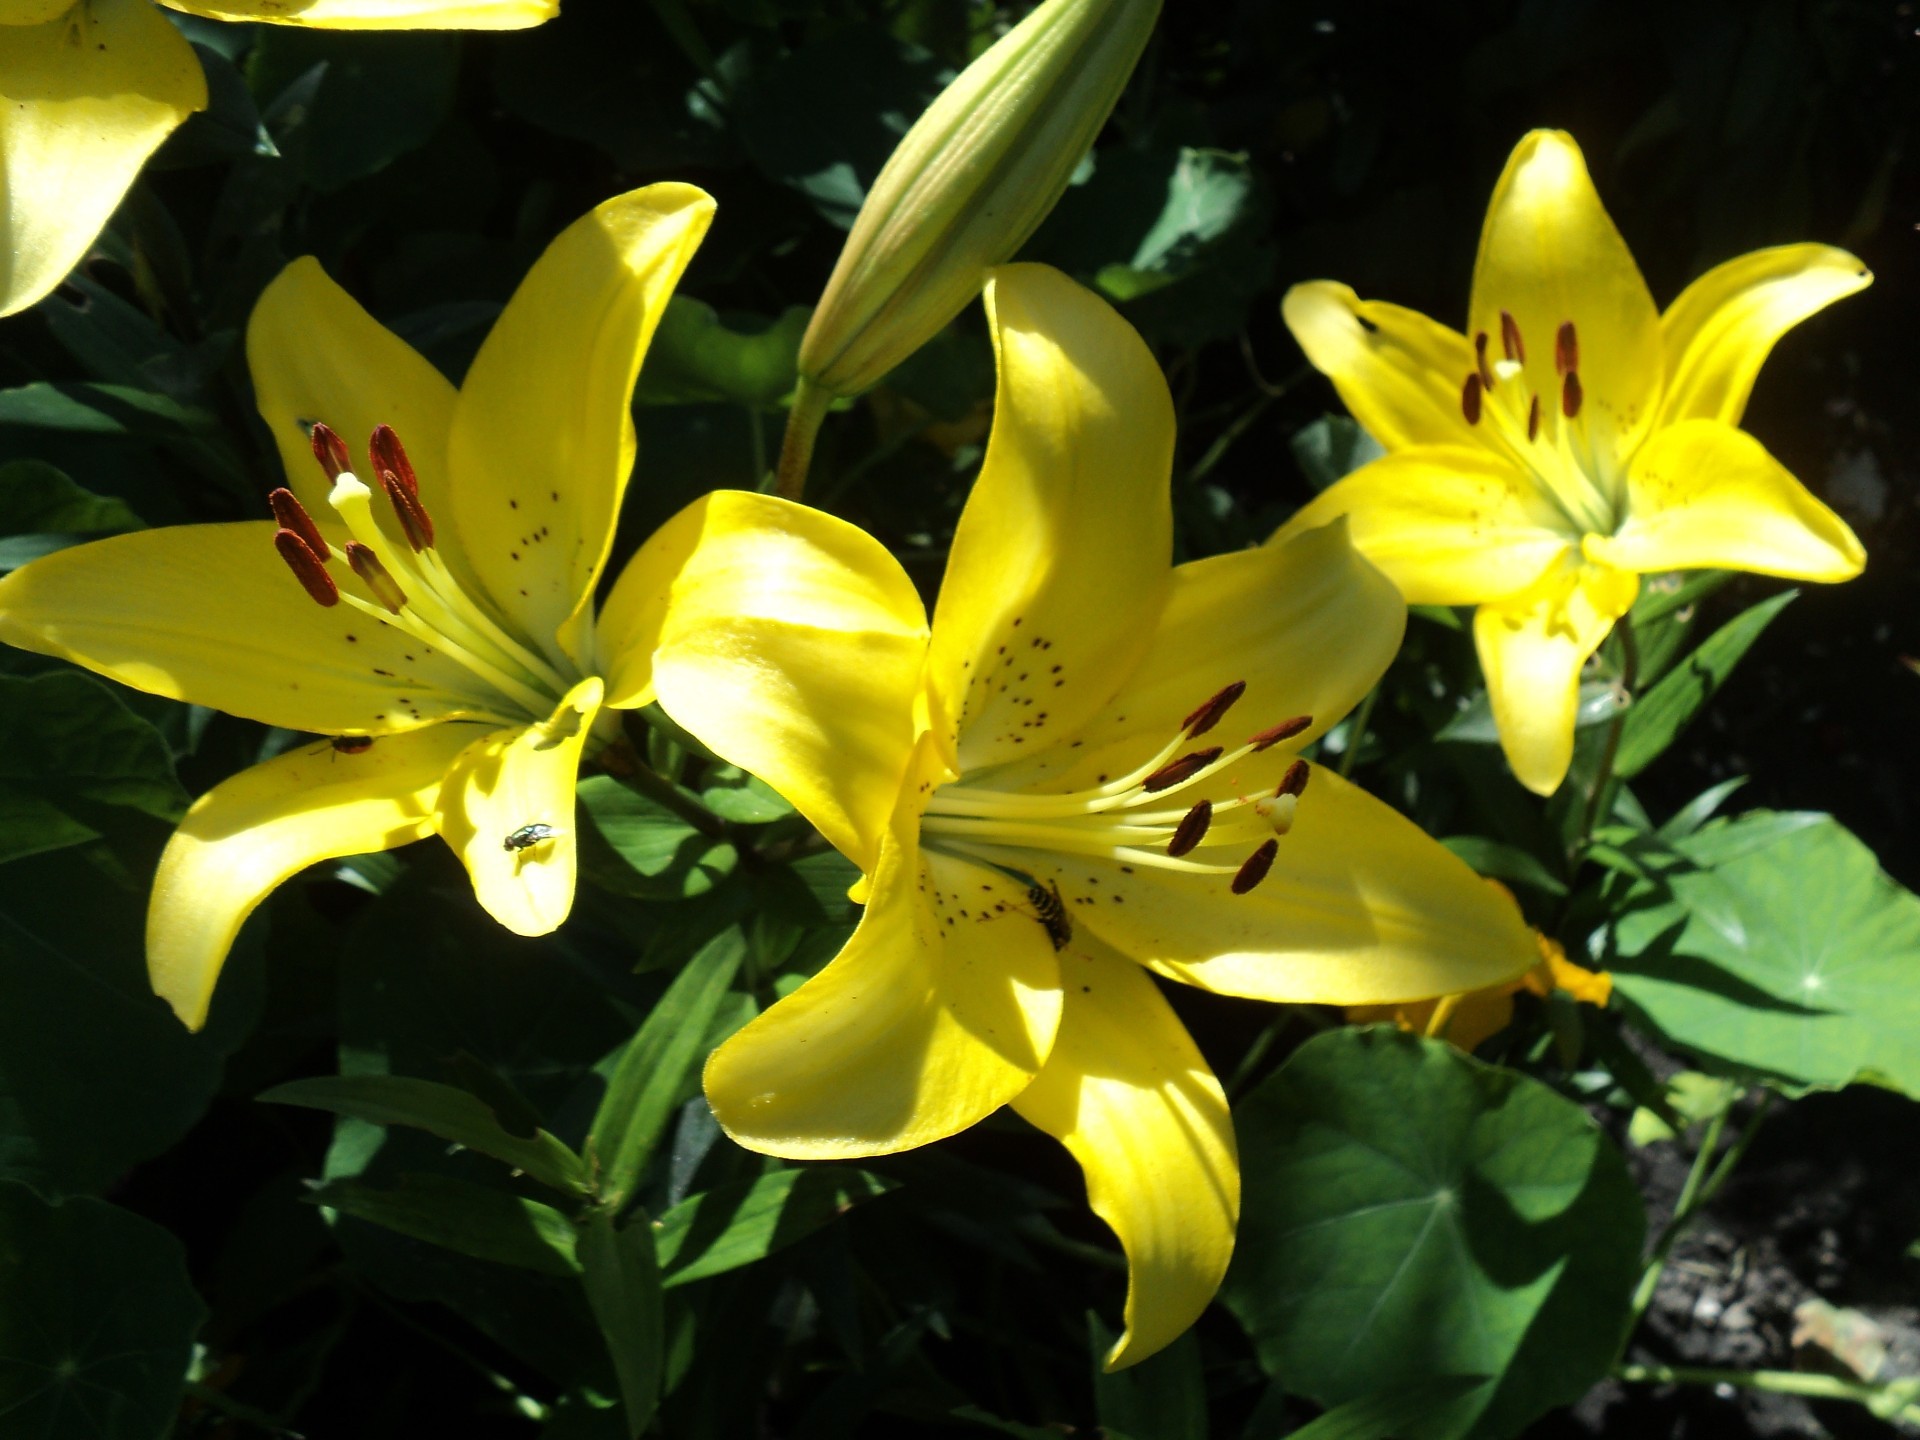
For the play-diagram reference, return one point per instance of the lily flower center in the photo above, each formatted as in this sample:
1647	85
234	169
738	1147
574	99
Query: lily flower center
412	588
1128	818
1550	435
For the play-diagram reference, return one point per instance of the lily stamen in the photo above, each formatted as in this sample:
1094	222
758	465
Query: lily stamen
1480	360
293	516
1178	772
414	519
307	567
1510	339
329	449
1566	349
376	576
1254	868
1210	714
1285	730
389	455
1470	398
1571	395
1192	829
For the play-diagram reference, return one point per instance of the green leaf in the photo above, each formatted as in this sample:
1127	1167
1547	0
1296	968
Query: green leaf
1164	1397
1505	862
697	357
1779	948
1332	448
734	1225
1654	721
623	1287
1666	595
35	496
1599	703
440	1110
1410	1213
97	1320
745	799
473	1219
653	1074
103	410
379	96
1697	811
634	846
1391	1413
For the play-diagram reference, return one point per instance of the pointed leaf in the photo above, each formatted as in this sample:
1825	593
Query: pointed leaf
473	1219
734	1225
623	1287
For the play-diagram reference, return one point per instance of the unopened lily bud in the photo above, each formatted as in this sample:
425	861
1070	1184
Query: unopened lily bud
969	183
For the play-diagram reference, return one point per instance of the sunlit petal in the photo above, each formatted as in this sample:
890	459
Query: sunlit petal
1451	525
1128	1093
209	614
379	14
1724	325
1531	651
793	647
1059	565
84	100
1703	494
507	810
1400	373
251	832
542	438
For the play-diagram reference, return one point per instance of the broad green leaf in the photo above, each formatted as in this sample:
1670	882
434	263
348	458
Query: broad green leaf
1410	1213
1777	947
697	357
623	1287
473	1219
441	1110
378	97
1505	862
734	1225
1164	1397
97	1319
635	846
742	798
1654	721
103	410
1662	596
35	496
1332	448
1697	811
1391	1413
652	1077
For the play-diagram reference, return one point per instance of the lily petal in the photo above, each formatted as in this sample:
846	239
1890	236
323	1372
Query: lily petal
84	100
542	439
1305	622
507	811
315	354
792	646
210	614
1128	1093
1531	651
1451	525
1059	565
1399	372
250	833
1361	907
1724	325
1702	494
379	14
941	1008
1550	254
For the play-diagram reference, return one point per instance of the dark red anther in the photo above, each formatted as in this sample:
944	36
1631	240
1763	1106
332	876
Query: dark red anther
1178	772
1294	782
389	454
1480	365
1285	730
1510	340
1208	715
329	449
307	567
293	516
1533	419
1566	350
413	515
1571	394
1470	400
1255	867
367	566
352	744
1191	830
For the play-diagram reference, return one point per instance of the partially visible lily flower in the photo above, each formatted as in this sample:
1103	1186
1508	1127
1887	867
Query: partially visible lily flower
1088	768
89	89
1576	441
1464	1020
432	611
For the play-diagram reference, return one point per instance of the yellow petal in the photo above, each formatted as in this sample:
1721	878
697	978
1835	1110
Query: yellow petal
84	100
32	12
1589	987
1724	324
1461	1020
1060	562
1702	494
1306	623
1531	651
542	437
248	834
1400	373
379	14
210	614
1128	1093
507	811
941	1009
793	647
316	355
1550	254
1450	525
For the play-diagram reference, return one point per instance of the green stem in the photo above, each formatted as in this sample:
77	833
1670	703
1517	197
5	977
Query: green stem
1357	732
663	792
1889	1402
1603	777
796	449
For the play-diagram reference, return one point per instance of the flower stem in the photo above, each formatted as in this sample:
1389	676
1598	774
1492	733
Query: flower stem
1603	777
1894	1401
796	449
669	796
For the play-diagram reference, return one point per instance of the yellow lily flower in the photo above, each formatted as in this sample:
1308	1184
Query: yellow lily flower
1464	1020
1578	441
89	89
436	618
1047	790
